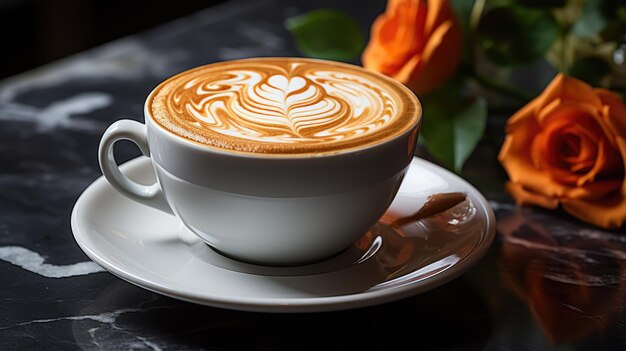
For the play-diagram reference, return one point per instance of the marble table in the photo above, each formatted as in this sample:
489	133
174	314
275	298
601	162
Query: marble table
548	282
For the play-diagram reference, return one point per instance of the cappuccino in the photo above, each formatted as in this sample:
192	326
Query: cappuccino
235	146
283	106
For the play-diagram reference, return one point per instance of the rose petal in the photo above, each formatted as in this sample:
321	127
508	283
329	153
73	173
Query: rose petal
373	52
379	55
543	156
608	212
560	108
545	152
416	42
515	156
614	112
569	108
396	36
521	116
410	32
608	165
438	61
524	197
567	89
438	12
575	119
595	190
586	150
412	68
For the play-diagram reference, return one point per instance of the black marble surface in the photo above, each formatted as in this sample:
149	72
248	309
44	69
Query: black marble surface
549	282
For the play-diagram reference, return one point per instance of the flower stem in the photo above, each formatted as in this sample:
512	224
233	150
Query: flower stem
502	88
476	13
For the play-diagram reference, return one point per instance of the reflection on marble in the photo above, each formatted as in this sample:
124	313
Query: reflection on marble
126	60
573	278
263	38
57	114
174	325
34	262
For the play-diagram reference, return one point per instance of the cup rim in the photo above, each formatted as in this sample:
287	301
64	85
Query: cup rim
149	119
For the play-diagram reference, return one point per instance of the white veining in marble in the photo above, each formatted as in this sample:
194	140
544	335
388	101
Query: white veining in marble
132	341
109	320
595	234
34	262
58	113
126	59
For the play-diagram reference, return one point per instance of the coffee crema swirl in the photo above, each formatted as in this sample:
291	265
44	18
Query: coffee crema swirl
283	106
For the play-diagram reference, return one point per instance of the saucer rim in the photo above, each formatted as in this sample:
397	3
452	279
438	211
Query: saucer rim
296	304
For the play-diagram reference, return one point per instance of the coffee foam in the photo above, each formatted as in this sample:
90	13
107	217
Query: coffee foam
283	106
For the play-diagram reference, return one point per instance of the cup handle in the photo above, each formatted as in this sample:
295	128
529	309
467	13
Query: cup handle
126	129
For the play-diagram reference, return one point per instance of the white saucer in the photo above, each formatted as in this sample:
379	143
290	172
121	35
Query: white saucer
153	250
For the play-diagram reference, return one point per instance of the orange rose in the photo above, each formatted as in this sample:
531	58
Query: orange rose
416	42
568	147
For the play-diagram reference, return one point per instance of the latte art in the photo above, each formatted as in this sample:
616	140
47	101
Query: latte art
283	106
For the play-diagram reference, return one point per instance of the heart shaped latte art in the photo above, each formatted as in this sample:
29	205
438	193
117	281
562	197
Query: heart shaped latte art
252	106
259	104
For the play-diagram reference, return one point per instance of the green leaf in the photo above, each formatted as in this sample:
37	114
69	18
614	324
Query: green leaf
516	35
326	34
592	20
452	129
591	70
462	9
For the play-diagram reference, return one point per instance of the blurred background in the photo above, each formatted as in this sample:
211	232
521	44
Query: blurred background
35	32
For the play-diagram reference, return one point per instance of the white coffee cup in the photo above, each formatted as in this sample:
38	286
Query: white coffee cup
260	208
